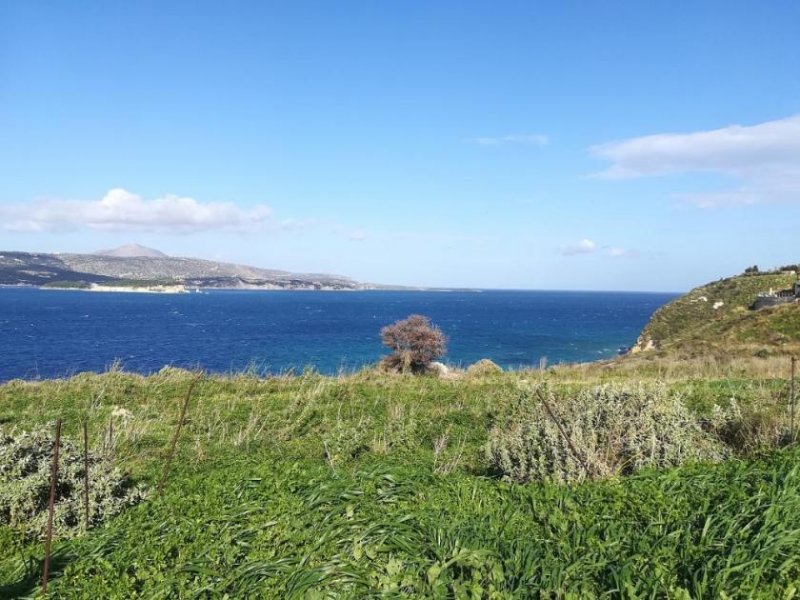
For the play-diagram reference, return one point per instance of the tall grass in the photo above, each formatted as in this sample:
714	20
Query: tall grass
369	485
273	529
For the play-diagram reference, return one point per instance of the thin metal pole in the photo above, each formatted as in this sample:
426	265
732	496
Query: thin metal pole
86	473
184	407
51	508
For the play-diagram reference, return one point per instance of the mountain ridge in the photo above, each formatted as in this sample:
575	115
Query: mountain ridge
38	269
131	251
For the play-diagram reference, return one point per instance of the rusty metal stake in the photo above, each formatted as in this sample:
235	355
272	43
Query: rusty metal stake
110	437
51	508
86	473
174	444
793	400
551	413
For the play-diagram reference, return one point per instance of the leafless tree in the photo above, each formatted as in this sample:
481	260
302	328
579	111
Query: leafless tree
414	342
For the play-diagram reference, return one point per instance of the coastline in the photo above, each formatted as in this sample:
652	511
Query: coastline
121	289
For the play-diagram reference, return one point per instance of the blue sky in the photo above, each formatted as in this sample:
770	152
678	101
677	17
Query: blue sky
562	145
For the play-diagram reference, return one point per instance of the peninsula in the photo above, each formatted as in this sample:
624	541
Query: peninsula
134	266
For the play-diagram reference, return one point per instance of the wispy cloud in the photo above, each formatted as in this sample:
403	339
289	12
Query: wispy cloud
585	246
353	235
120	210
764	159
616	252
527	139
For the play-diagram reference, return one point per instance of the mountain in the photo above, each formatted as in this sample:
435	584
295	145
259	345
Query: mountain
719	319
23	268
132	250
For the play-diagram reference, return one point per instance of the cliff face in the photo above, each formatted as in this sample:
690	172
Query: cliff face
718	316
22	268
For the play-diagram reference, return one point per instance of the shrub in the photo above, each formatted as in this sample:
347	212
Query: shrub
483	368
598	433
414	342
747	428
25	465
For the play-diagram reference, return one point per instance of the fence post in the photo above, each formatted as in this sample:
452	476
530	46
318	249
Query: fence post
110	453
578	456
177	433
51	507
86	473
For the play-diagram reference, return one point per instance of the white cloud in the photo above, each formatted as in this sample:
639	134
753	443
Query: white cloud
585	246
764	159
616	252
120	210
529	139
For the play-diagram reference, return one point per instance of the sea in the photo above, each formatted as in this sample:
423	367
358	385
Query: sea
57	333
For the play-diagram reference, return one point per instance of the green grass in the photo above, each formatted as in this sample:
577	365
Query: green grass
377	486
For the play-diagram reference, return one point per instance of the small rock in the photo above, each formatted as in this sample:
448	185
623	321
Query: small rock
441	369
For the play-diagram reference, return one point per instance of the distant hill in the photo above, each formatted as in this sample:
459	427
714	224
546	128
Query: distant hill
136	263
717	318
132	250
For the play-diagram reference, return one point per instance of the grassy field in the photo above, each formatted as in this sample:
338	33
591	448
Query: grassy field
373	485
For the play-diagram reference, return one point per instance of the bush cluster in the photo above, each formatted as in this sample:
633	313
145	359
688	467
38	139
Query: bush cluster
598	432
25	467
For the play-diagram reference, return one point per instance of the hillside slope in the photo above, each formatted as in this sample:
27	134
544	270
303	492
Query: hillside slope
22	268
716	317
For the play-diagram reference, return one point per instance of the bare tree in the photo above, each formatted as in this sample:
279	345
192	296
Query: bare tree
414	342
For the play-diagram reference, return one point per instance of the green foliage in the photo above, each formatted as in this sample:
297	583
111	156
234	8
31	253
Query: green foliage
272	528
316	487
598	432
166	281
25	469
67	285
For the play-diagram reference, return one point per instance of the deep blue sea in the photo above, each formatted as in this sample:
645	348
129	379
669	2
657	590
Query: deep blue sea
54	333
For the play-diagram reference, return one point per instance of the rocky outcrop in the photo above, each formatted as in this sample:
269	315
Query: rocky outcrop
643	345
